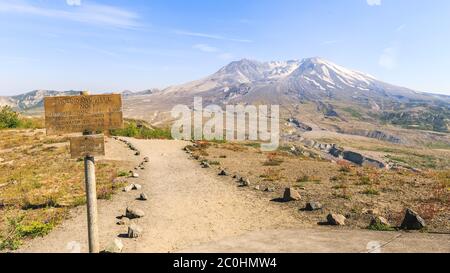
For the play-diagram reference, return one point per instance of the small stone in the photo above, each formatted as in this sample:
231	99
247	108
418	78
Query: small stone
371	211
336	219
128	188
134	231
143	197
223	173
269	189
205	164
412	221
312	206
137	153
137	187
246	182
124	221
135	175
115	246
133	213
257	187
290	194
146	159
378	222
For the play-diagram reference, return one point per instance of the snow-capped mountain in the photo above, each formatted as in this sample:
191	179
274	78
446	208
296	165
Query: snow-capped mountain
326	75
310	78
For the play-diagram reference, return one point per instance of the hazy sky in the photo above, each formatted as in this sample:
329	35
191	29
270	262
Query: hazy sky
121	44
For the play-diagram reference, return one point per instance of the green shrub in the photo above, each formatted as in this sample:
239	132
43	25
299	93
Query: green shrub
364	180
9	118
35	229
16	231
371	191
214	163
131	129
378	226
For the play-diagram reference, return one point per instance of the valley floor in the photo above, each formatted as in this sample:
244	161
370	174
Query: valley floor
193	209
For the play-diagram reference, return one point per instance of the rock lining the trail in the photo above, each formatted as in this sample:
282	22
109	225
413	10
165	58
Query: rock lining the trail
378	221
412	221
312	206
223	173
290	194
143	197
133	213
128	188
336	219
115	246
134	231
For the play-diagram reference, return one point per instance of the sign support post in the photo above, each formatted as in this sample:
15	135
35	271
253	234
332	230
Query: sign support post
91	199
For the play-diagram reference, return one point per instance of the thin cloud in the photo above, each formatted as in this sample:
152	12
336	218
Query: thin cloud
87	13
210	49
388	59
73	2
374	2
210	36
205	48
401	28
331	42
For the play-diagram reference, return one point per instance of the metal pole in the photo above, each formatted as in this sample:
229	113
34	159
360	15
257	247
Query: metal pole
91	196
91	199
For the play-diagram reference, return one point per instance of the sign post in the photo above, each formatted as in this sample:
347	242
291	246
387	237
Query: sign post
86	114
91	198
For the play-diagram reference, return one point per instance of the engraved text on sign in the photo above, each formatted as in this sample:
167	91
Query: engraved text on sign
72	114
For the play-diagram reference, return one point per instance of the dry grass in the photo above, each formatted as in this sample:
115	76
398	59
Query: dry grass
341	187
40	182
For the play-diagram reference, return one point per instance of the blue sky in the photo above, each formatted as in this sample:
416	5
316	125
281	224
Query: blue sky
134	45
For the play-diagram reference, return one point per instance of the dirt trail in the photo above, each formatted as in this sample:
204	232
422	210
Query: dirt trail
193	209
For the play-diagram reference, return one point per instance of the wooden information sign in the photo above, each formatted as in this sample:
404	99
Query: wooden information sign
85	114
90	145
91	113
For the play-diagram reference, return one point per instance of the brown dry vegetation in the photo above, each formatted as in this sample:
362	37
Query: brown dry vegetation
339	186
39	183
